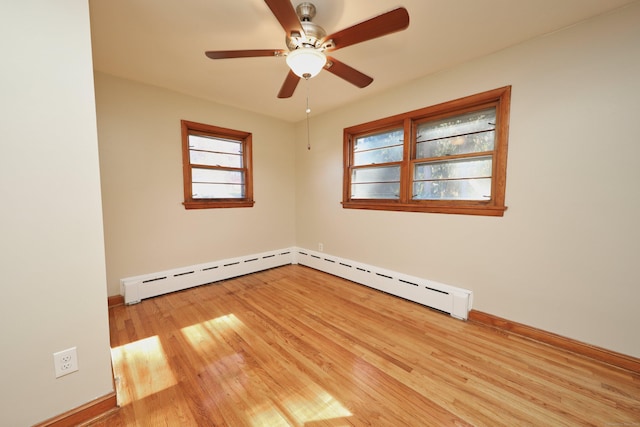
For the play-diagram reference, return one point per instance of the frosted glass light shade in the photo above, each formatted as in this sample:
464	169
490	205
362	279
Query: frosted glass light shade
306	62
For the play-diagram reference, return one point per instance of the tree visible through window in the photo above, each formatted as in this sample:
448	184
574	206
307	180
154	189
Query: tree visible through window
216	167
449	158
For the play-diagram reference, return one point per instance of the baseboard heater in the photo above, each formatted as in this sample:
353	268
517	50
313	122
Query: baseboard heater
452	300
145	286
455	301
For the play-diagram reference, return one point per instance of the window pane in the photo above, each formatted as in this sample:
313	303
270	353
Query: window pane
382	147
213	151
385	190
212	176
215	159
204	143
463	144
465	189
380	174
379	140
477	167
381	155
468	133
217	191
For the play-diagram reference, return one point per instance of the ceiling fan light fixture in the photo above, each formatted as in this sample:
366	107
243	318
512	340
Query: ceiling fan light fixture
306	62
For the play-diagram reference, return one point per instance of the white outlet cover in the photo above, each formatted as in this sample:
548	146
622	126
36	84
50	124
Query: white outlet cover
65	361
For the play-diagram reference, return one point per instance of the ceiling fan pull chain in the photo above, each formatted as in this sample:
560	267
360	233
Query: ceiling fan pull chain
308	111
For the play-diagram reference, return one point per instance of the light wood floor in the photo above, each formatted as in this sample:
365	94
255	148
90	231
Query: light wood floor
296	347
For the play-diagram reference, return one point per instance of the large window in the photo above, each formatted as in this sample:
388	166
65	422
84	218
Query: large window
449	158
216	167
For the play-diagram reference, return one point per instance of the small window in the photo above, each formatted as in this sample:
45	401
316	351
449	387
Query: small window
216	167
449	158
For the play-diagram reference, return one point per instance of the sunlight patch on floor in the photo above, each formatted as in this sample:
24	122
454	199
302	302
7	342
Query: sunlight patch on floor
308	405
198	336
321	410
206	337
202	331
209	340
322	407
266	415
146	366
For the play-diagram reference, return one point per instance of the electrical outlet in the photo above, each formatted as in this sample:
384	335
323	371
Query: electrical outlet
65	361
320	247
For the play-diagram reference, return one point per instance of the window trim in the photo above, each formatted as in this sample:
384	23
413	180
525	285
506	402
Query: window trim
500	98
193	128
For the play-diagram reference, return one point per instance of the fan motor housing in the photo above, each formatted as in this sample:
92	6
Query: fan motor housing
313	33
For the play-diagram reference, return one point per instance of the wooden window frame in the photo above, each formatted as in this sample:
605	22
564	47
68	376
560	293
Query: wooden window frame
500	98
193	128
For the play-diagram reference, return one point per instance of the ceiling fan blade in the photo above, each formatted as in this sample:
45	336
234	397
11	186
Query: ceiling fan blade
285	14
289	85
347	73
224	54
387	23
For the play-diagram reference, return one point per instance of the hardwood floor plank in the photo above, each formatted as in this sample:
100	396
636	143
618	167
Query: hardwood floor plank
293	346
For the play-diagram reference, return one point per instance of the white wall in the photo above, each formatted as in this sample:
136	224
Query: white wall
564	256
147	229
51	238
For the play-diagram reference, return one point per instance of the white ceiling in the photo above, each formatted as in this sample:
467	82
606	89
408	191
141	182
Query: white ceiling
162	43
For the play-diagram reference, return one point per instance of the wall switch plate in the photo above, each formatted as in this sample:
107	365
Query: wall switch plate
65	361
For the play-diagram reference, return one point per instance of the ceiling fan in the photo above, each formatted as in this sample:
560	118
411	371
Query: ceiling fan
308	43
